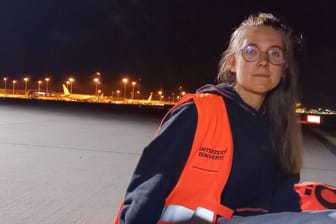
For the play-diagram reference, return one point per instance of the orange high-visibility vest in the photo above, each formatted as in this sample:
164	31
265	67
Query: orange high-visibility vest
209	163
208	167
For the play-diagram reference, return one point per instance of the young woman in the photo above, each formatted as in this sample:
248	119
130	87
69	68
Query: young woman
231	148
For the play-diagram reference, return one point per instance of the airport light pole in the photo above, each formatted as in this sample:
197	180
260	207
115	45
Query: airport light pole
99	91
5	81
133	93
71	80
160	94
118	93
96	80
138	85
26	81
14	81
180	91
125	81
98	76
39	86
47	81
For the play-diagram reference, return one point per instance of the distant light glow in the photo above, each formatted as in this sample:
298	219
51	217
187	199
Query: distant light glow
313	119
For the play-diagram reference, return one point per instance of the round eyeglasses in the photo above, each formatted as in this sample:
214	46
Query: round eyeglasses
252	53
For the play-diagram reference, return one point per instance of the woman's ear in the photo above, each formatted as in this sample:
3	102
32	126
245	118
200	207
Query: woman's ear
231	62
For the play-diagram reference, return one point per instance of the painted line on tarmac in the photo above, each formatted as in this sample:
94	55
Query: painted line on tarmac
48	147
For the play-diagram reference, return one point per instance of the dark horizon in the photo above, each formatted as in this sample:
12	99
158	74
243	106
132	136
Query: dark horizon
166	44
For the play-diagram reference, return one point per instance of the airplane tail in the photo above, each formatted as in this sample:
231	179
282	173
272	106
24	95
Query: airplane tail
150	97
65	90
27	93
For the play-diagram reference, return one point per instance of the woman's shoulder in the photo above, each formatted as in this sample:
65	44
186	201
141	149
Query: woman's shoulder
222	89
182	113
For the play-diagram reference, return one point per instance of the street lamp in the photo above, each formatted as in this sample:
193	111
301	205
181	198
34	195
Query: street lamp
39	86
118	93
26	81
125	81
71	80
180	90
160	94
99	92
14	81
47	81
96	80
133	85
5	81
139	84
67	83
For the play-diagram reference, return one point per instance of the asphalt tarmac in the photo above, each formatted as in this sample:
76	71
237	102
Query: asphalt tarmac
61	165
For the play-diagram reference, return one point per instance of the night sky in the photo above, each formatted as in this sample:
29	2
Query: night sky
161	43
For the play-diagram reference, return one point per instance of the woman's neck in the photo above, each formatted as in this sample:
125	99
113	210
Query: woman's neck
254	100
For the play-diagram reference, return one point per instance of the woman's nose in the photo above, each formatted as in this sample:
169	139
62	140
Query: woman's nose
263	59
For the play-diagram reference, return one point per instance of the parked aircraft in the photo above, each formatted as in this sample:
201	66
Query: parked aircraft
77	97
147	101
51	95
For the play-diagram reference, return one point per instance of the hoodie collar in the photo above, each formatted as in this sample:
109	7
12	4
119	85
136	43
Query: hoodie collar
228	92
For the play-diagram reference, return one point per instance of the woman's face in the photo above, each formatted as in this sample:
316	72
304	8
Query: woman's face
258	76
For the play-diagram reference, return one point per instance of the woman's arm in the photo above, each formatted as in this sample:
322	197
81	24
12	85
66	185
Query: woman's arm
285	197
159	167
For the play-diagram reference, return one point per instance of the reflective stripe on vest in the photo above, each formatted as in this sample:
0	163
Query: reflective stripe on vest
177	213
199	188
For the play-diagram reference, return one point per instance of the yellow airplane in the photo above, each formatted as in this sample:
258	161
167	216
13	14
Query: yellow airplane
144	101
77	97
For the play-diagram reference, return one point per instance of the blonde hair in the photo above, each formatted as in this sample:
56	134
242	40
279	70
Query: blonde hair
280	102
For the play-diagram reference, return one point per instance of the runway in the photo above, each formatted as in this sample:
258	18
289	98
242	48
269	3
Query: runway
72	166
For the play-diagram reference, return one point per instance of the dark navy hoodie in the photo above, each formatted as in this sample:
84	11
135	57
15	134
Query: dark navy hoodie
255	186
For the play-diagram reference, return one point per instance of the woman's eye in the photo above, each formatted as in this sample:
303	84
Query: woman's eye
274	53
250	50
